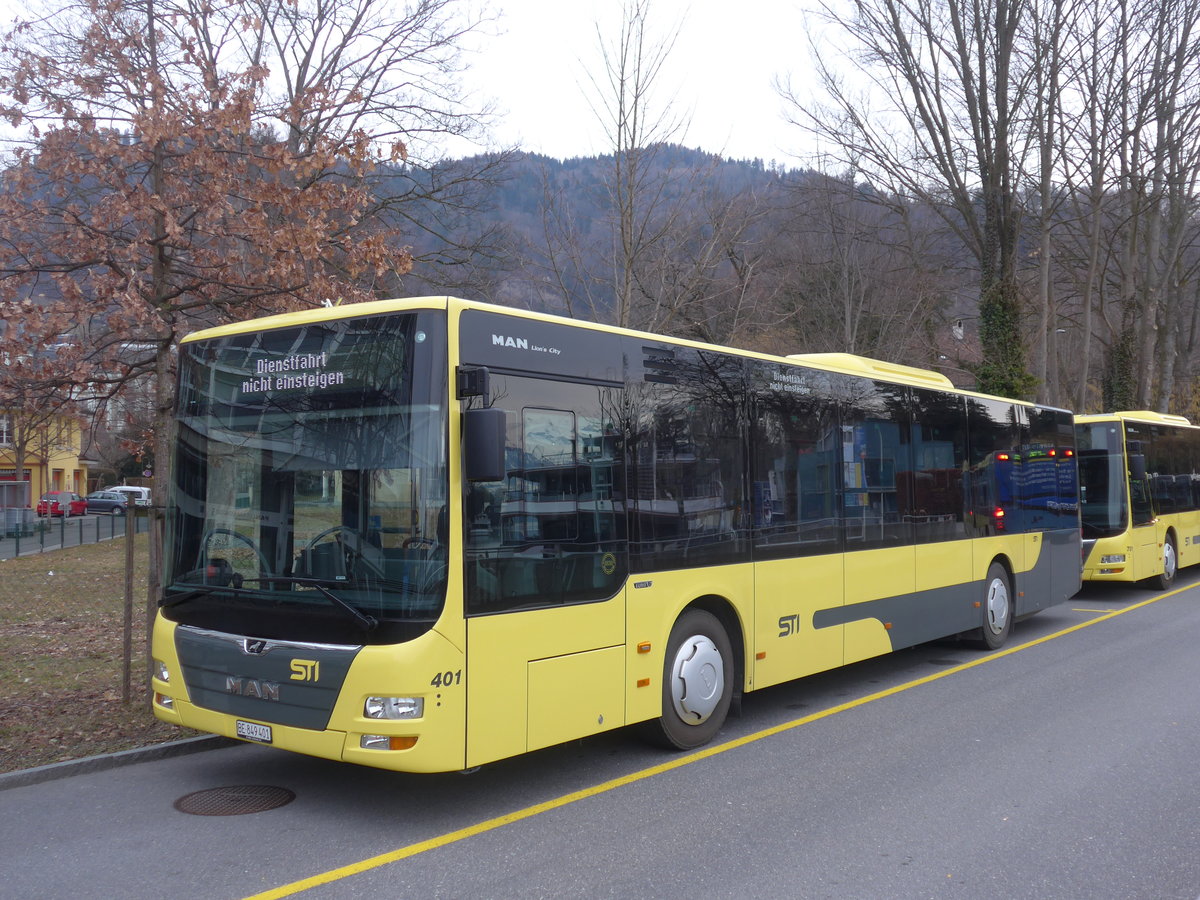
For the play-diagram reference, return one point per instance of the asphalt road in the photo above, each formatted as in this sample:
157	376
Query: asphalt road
1061	767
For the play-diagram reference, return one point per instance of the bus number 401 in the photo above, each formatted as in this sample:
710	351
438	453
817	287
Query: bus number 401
789	624
446	679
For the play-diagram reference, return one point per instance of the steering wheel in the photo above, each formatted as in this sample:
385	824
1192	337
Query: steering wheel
432	578
417	542
353	546
235	578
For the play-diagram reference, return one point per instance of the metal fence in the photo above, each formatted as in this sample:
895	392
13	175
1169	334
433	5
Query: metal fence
37	535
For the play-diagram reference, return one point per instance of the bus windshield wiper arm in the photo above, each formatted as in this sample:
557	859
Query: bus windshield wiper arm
368	623
188	595
199	591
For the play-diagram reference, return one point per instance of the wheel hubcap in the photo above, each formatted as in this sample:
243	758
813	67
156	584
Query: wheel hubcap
997	606
1169	560
697	679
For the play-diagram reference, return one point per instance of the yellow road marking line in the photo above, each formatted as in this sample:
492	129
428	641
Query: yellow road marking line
679	762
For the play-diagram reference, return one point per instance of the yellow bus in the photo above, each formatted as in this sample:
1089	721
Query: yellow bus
1140	496
429	534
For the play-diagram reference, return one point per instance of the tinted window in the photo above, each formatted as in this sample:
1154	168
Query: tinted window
686	458
1102	473
939	447
1169	469
795	465
875	464
1050	492
1139	447
994	429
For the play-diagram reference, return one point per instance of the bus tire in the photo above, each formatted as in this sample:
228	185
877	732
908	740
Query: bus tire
697	683
1170	564
997	608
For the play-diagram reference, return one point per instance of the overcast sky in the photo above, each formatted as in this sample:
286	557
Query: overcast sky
535	58
720	73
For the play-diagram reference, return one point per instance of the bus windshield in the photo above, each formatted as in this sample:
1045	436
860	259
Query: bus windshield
1102	472
310	482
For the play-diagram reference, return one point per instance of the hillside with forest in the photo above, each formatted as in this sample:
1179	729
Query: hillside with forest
728	251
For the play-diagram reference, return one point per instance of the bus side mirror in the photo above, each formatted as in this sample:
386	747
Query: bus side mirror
1137	466
483	444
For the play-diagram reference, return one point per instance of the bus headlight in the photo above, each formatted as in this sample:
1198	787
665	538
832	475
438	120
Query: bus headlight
161	672
1112	558
394	707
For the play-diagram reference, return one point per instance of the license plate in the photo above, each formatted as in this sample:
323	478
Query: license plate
252	731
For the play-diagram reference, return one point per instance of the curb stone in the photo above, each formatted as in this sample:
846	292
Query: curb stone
55	771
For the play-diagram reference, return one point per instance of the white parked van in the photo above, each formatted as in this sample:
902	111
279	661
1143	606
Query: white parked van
138	496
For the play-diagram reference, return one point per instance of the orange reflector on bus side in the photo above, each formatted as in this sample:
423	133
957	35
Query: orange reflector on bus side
644	647
887	626
643	682
761	654
407	742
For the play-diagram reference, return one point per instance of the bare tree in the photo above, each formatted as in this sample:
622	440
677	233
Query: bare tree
1040	58
862	273
1129	246
676	249
946	67
624	100
1092	79
152	193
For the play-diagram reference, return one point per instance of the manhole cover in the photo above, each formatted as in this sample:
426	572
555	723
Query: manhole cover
237	800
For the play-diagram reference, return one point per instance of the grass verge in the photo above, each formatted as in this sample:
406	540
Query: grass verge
61	634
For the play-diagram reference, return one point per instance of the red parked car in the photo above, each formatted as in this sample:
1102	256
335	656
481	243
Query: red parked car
61	503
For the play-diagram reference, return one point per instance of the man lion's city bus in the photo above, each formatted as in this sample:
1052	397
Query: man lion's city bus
1140	496
428	534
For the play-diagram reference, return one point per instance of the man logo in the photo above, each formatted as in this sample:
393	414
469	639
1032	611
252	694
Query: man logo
500	340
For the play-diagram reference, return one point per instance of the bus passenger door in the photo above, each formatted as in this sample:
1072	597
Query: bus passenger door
545	568
1147	552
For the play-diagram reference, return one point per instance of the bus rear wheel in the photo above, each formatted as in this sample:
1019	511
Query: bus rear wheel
697	682
997	608
1170	565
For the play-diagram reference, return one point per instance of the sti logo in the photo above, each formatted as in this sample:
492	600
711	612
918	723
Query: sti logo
500	340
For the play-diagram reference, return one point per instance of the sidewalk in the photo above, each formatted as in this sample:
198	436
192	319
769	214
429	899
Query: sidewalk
86	764
61	533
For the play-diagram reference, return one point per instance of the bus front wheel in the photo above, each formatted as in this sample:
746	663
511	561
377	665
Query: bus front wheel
1170	565
697	682
997	608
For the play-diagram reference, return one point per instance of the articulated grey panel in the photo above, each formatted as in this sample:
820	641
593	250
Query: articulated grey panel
940	612
256	679
917	617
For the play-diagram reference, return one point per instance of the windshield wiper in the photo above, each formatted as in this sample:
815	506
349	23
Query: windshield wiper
365	621
195	592
368	622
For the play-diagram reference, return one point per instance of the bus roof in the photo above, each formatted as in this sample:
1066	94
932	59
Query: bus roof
315	314
846	363
878	368
1139	415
